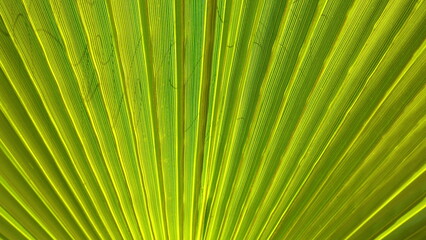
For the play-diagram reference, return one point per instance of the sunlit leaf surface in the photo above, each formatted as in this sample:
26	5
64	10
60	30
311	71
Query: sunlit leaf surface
212	119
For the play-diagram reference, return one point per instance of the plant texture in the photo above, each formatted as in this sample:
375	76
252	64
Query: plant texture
213	119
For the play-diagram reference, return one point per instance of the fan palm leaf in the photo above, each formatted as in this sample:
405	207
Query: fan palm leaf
216	119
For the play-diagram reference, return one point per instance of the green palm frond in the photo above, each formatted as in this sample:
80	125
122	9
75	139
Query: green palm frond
212	119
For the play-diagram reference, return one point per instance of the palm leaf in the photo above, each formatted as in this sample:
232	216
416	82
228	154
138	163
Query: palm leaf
218	119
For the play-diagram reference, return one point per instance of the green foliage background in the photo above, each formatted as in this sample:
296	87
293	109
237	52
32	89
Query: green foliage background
212	119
